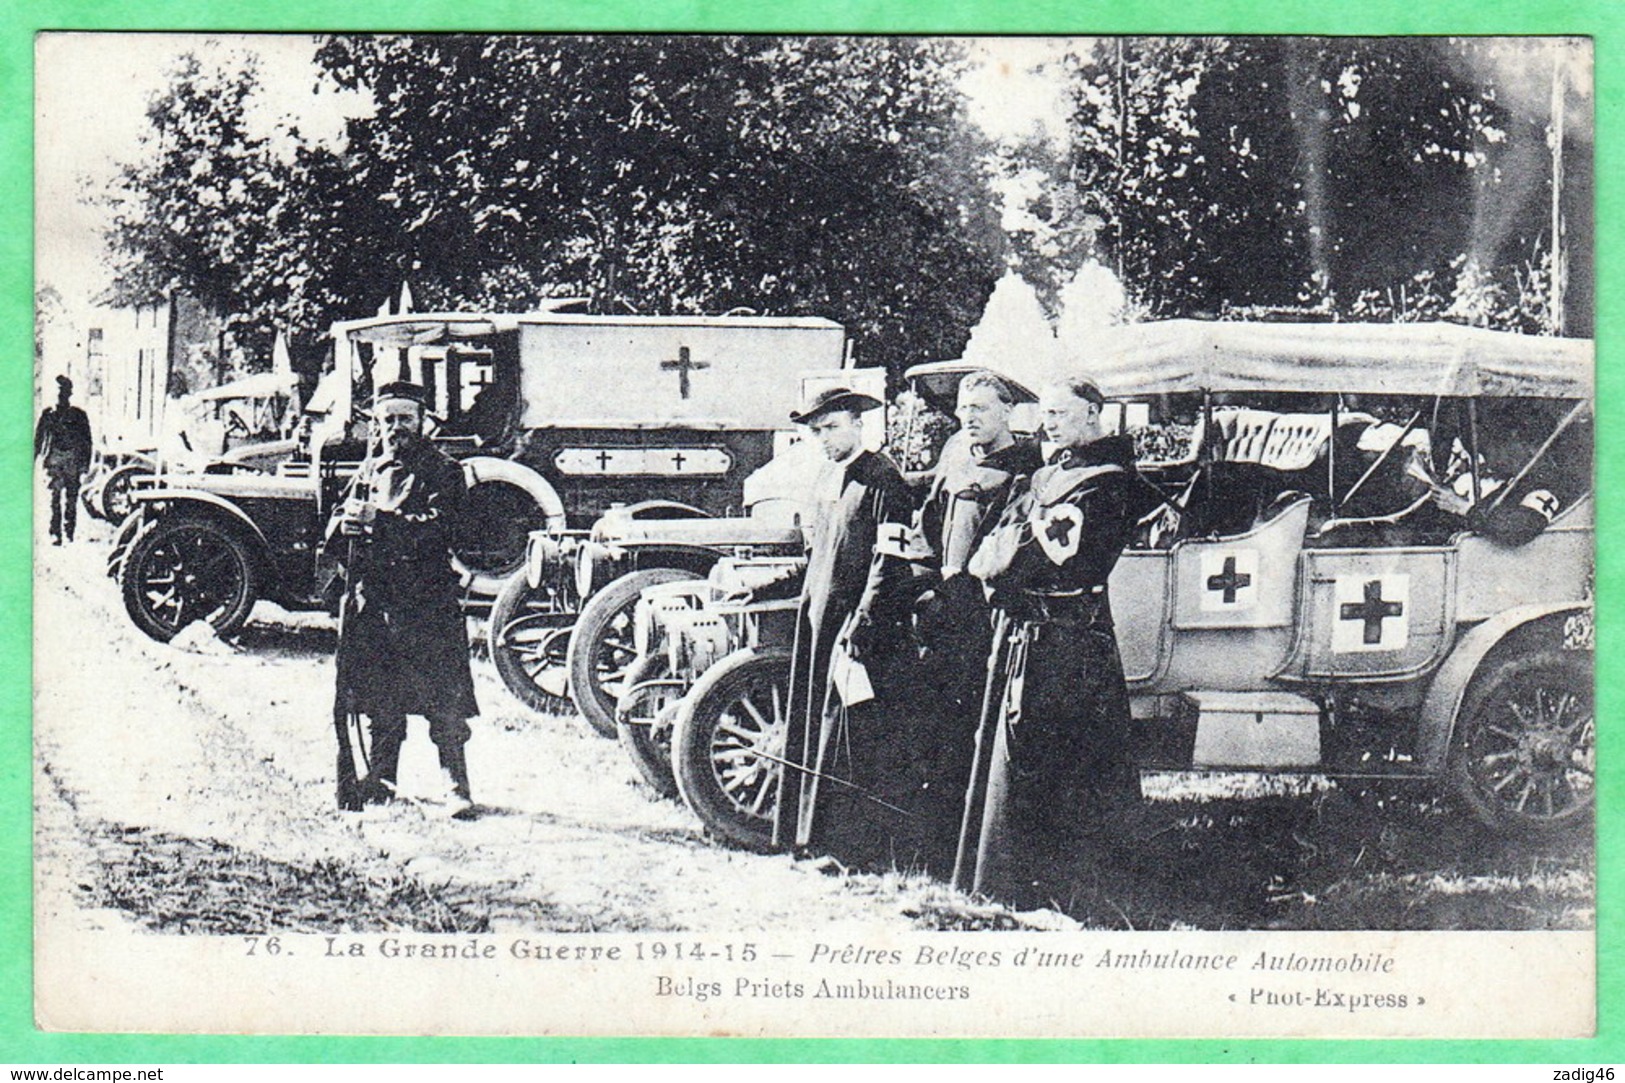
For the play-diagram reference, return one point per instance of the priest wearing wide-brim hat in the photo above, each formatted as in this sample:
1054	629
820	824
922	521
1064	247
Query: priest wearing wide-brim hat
832	399
849	762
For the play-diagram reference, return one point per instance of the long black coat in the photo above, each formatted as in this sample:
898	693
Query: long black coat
954	624
847	584
403	646
62	439
1060	755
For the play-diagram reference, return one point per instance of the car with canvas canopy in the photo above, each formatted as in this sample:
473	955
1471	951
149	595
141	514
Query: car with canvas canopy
1370	556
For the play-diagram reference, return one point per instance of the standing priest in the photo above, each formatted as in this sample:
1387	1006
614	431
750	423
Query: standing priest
1060	751
403	647
849	755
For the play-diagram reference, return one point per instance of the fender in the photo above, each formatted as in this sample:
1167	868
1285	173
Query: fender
1436	717
618	521
484	468
663	509
180	498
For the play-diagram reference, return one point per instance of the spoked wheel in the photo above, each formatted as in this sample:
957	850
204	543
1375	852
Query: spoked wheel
529	636
123	539
1525	760
728	747
114	495
645	716
601	648
185	570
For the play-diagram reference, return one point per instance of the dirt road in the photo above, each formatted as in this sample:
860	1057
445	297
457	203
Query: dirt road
194	790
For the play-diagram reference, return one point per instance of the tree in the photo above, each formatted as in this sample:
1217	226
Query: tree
213	208
1345	177
828	176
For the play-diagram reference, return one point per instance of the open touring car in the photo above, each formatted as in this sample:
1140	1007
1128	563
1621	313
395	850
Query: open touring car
1371	557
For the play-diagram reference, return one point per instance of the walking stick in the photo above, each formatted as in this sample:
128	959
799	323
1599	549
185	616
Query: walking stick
346	716
970	826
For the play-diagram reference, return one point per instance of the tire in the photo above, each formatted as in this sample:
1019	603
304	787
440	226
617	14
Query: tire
528	634
601	645
113	497
737	707
186	569
645	728
506	501
1525	754
90	496
123	538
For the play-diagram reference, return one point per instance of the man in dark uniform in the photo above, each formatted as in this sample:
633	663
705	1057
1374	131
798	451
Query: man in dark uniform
1059	757
62	442
853	619
403	647
969	487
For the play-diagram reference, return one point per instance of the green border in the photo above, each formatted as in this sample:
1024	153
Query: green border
21	1044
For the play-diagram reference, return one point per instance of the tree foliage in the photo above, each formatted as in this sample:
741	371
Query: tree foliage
1348	177
212	208
829	176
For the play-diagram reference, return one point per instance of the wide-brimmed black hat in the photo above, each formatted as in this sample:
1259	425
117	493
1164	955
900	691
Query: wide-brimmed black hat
834	398
400	389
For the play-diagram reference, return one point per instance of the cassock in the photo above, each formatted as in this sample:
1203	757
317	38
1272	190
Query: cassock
403	647
846	762
1060	753
968	489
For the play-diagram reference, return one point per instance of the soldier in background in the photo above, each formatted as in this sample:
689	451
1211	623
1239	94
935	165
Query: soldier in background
62	442
1057	699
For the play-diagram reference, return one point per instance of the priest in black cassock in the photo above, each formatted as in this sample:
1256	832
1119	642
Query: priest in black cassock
1059	763
850	754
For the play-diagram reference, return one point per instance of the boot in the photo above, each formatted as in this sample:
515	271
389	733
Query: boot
385	759
454	764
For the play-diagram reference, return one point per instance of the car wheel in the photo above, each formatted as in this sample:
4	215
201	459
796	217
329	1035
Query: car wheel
188	569
728	745
644	718
89	496
1525	755
529	632
114	496
123	538
601	645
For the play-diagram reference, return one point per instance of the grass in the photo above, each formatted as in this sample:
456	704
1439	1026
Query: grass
173	884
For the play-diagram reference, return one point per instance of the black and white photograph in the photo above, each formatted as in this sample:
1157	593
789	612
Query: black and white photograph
777	536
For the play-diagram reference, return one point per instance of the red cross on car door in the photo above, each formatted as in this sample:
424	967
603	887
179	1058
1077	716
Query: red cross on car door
1373	612
1233	602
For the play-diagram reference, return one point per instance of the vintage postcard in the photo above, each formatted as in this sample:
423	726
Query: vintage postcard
782	536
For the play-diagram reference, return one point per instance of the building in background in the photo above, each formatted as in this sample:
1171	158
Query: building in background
128	364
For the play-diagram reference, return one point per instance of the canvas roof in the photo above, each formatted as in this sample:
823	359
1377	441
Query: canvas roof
1174	356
